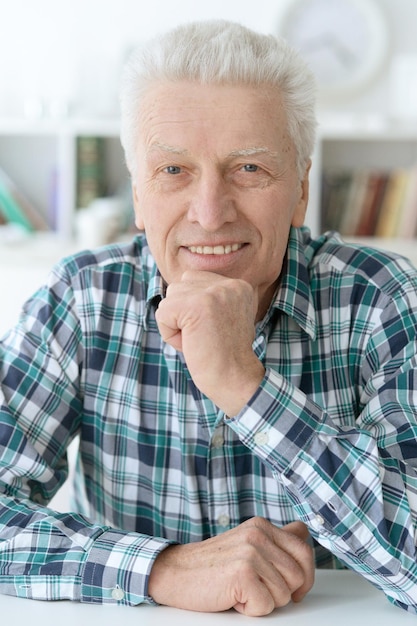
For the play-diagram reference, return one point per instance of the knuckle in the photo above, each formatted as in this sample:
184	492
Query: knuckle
245	569
253	535
249	554
258	524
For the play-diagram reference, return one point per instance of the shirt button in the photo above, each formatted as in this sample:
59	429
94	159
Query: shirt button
317	522
223	520
217	441
261	439
117	593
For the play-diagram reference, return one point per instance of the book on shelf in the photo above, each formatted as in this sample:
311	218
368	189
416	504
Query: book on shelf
407	223
335	190
90	169
16	208
392	202
369	202
355	200
372	201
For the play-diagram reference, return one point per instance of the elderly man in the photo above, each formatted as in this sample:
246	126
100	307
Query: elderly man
244	395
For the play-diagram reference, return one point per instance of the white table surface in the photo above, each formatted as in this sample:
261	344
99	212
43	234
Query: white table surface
338	598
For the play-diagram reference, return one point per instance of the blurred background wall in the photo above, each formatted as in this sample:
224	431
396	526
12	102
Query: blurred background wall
68	53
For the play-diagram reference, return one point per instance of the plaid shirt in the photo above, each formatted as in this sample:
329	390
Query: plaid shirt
328	438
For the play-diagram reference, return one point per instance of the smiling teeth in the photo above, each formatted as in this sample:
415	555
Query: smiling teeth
215	249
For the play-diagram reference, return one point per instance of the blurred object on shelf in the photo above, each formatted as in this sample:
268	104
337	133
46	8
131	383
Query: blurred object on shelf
100	223
12	233
16	208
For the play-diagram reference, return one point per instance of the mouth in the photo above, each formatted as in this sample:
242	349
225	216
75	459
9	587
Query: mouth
216	250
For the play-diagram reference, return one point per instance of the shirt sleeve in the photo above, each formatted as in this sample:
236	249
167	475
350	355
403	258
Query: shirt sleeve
44	554
47	555
355	487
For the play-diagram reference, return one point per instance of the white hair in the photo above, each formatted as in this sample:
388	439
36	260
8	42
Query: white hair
221	52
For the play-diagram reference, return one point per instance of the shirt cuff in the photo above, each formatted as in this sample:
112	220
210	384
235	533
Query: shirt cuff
279	422
118	567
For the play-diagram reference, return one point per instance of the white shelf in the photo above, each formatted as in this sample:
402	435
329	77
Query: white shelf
70	126
40	156
42	249
365	128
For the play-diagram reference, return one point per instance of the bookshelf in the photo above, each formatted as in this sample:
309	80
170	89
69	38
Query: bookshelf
359	146
41	157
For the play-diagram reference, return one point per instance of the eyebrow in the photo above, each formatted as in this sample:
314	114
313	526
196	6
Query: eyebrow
167	148
245	152
239	152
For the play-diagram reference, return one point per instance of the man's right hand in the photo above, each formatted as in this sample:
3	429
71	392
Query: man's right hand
253	568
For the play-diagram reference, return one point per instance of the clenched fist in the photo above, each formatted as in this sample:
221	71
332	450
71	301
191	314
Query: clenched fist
211	319
252	568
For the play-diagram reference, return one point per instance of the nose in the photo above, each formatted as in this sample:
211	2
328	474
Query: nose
211	204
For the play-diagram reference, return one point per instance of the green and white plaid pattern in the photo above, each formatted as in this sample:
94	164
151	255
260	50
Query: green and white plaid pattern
329	438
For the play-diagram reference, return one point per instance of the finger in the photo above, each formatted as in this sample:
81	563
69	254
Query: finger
168	329
281	583
210	280
291	578
257	603
297	528
290	554
201	277
259	589
277	557
304	555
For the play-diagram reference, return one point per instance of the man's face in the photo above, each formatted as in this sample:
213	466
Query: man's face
216	187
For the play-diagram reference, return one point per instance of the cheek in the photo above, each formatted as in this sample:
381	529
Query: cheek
275	233
157	229
276	223
148	217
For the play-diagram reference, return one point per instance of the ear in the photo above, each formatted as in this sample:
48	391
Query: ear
136	205
301	208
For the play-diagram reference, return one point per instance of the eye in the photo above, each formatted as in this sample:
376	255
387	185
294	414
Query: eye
250	167
172	169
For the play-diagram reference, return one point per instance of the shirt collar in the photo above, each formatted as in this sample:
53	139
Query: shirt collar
293	296
156	289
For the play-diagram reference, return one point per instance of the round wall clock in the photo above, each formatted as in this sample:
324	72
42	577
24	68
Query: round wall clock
345	42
